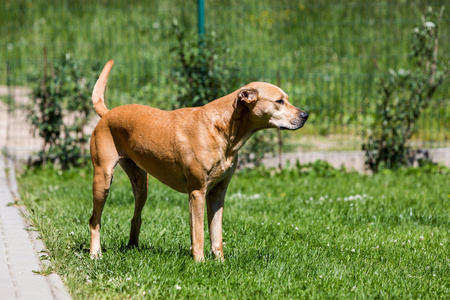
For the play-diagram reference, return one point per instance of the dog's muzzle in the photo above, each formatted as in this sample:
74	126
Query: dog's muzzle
297	123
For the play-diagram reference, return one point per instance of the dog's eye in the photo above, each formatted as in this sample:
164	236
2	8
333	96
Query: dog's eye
281	101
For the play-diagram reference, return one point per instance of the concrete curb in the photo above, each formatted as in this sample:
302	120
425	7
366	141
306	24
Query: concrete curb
23	283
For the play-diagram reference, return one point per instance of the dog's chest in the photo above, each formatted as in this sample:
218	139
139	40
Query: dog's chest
221	169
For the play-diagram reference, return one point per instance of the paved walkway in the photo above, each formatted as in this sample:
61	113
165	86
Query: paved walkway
20	249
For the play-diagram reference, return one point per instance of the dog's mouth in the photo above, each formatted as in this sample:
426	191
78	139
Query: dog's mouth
294	125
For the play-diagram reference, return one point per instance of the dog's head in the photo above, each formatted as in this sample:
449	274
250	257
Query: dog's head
269	107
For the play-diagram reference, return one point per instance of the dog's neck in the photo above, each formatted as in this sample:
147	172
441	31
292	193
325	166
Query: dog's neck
232	123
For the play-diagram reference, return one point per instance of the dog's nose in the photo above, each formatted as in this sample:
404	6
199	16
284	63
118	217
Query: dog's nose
304	115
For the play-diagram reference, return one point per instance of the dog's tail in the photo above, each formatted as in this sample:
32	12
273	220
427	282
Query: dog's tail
99	90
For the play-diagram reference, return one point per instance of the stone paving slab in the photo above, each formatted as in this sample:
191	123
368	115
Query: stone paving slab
19	249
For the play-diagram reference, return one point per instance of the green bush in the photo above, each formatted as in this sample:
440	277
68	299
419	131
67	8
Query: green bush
205	72
60	110
404	96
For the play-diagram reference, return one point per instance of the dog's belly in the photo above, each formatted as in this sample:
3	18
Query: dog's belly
165	171
177	183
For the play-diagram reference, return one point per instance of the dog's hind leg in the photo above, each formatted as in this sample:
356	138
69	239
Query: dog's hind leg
139	182
104	159
100	189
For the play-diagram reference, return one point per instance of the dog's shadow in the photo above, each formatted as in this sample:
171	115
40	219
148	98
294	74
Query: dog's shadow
145	249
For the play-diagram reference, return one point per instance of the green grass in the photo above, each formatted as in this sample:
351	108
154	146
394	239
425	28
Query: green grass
289	235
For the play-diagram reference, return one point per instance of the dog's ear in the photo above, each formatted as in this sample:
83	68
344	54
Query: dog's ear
246	95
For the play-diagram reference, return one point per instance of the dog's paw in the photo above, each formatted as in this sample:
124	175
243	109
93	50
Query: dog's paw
220	259
218	256
199	259
96	256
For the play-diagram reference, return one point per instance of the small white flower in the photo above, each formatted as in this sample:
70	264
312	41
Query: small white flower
178	287
395	241
353	250
278	224
328	228
429	24
421	238
409	241
129	278
441	244
296	228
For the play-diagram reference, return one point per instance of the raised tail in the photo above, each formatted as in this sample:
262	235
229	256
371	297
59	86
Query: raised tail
98	95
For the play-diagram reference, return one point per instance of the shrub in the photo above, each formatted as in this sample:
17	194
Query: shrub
404	94
60	110
205	72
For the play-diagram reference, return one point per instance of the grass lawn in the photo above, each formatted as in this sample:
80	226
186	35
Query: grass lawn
325	234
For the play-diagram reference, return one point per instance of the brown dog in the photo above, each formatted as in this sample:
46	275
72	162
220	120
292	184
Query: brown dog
192	150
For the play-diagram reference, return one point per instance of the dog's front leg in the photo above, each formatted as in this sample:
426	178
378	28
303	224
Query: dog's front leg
215	202
196	218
